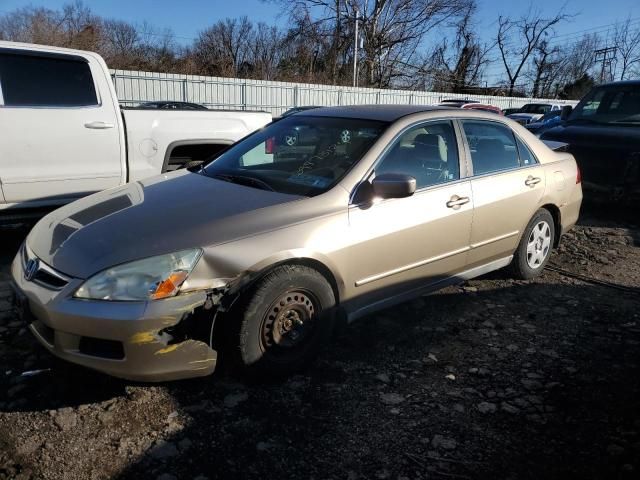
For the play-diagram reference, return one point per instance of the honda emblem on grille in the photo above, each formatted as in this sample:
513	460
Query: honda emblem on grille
31	268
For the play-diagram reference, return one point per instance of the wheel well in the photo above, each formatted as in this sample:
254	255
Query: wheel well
307	262
555	214
180	153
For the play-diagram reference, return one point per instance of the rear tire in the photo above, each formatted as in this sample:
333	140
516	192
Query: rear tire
284	321
535	246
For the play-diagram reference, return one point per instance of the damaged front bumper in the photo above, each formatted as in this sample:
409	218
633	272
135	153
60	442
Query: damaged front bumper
131	340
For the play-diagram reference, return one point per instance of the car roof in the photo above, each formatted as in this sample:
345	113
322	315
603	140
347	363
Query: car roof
385	113
621	83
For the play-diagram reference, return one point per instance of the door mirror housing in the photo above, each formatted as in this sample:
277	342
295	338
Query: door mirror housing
393	185
566	111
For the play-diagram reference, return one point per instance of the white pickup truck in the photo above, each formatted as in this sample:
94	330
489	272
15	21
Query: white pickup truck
64	135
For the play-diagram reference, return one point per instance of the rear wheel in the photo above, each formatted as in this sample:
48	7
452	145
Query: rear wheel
285	319
535	246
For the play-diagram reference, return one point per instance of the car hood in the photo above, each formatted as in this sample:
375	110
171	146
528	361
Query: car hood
152	217
596	134
525	116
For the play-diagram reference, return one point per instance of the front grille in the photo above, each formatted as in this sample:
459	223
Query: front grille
97	347
44	275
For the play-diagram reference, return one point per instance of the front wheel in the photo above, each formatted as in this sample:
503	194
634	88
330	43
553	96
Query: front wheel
535	246
284	320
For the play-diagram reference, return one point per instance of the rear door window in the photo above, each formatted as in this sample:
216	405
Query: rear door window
493	147
46	81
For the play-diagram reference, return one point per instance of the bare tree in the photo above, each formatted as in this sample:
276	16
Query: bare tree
546	67
224	48
392	32
80	26
266	51
518	39
576	62
33	25
627	41
458	65
121	43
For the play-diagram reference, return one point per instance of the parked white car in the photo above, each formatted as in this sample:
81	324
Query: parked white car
64	134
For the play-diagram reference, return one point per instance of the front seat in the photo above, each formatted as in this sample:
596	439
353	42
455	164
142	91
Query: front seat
402	159
431	149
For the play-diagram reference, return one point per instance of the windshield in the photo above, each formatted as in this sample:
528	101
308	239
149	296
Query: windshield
614	104
535	108
297	155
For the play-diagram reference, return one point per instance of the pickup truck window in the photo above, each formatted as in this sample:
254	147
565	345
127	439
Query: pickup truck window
33	81
614	104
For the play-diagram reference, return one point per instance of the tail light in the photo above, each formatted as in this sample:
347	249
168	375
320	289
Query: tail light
578	175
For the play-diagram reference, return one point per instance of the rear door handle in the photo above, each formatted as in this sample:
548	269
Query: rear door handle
531	181
456	202
98	125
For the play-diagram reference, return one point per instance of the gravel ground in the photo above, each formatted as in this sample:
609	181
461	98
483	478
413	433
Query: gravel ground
495	379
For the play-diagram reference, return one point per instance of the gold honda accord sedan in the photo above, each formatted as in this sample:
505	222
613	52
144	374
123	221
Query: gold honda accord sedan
331	212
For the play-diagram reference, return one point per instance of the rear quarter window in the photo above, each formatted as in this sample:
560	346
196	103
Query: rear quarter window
42	81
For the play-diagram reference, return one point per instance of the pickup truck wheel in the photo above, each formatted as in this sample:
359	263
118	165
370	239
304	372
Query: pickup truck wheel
535	246
286	318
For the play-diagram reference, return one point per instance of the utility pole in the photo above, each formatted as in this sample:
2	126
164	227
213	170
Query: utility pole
355	48
606	56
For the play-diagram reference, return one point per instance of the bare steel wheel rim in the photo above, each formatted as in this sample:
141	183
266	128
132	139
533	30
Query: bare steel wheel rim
538	244
289	321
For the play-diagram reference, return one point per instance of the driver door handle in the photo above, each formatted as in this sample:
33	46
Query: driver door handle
532	181
456	202
98	125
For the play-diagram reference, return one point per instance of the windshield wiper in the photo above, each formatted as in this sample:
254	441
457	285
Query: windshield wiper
244	180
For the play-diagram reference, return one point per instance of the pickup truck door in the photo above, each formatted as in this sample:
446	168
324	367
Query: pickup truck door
61	131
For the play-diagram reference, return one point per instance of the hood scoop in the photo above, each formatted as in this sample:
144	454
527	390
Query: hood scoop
64	230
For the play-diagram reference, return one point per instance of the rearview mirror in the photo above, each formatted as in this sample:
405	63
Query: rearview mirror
566	111
393	185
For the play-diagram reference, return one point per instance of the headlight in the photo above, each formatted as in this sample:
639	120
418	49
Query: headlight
149	279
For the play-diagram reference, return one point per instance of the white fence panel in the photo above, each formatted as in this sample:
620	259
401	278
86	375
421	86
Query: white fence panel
135	87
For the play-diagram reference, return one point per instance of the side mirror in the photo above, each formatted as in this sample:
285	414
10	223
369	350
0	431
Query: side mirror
566	111
393	185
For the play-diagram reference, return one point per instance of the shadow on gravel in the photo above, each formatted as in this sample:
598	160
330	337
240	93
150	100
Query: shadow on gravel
502	379
529	380
612	216
543	383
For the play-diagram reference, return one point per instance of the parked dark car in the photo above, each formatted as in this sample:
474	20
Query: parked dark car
549	120
455	102
293	110
603	133
170	105
509	111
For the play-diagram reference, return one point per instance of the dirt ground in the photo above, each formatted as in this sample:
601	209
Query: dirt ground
495	379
